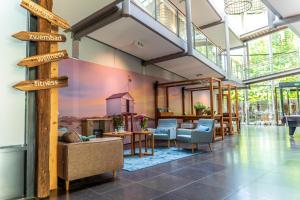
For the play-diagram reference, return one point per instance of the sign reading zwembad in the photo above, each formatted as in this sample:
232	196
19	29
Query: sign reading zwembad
43	59
44	13
42	84
39	37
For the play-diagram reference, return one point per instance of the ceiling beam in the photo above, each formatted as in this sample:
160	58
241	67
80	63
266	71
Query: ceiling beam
273	76
164	58
211	24
286	20
97	20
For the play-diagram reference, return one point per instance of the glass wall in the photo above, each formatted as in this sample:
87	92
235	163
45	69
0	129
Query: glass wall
12	102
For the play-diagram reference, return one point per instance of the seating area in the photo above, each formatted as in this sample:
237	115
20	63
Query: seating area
150	100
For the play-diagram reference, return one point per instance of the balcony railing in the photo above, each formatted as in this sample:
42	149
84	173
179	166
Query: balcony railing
171	17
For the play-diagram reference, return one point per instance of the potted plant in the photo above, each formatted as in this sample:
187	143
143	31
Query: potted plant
143	121
118	123
207	111
199	107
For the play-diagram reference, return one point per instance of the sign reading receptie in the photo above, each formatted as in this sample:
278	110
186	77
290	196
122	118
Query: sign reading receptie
39	11
43	84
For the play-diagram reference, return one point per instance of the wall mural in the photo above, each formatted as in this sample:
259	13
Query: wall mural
90	85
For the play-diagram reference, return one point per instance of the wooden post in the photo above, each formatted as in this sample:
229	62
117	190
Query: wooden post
192	102
183	100
211	91
229	109
156	102
237	110
220	108
276	107
43	118
53	118
167	98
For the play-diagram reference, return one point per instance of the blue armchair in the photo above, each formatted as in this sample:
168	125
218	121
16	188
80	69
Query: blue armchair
166	130
202	134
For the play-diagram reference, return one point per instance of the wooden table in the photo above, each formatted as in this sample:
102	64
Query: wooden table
123	135
148	135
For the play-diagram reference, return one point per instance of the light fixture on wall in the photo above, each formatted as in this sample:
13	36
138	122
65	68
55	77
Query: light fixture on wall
236	7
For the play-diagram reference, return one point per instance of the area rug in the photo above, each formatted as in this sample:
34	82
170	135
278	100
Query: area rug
161	155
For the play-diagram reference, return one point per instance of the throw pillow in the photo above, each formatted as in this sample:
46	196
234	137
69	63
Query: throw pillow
71	137
202	128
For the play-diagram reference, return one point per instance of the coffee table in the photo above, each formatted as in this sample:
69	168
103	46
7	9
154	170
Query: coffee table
147	135
123	135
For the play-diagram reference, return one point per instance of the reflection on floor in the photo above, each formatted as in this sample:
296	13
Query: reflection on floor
261	163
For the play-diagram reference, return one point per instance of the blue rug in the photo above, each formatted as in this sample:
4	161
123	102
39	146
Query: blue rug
161	155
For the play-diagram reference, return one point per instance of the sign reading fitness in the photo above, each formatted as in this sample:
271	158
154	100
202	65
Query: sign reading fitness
44	84
34	61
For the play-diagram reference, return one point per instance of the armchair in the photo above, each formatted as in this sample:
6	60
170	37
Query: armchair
202	134
166	130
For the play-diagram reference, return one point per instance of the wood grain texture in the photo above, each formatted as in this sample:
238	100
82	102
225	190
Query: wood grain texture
39	36
42	84
40	59
44	13
53	118
43	112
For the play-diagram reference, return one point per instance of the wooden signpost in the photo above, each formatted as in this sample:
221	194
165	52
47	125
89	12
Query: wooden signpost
34	61
39	11
43	84
39	37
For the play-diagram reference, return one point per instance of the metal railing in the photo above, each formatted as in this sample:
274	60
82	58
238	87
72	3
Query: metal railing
207	48
171	17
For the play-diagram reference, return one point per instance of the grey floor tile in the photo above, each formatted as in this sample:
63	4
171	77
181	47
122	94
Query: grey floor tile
133	192
165	182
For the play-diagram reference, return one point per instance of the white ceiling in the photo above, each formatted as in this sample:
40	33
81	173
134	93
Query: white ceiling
287	8
202	11
127	31
189	67
217	35
75	11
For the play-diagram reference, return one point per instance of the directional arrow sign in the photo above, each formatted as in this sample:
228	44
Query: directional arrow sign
44	13
39	37
44	58
42	84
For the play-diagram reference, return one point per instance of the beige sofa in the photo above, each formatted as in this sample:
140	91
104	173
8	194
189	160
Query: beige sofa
84	159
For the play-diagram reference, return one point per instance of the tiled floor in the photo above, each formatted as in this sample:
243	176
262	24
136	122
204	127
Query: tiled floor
261	163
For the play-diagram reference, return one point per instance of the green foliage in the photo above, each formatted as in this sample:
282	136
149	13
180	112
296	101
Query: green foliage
117	121
199	106
285	56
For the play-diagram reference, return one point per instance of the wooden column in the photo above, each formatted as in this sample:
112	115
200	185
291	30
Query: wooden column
183	100
167	98
229	110
192	102
276	107
220	108
237	110
211	91
53	119
156	102
44	119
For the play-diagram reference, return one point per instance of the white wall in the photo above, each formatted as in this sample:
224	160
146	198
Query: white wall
96	52
13	19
